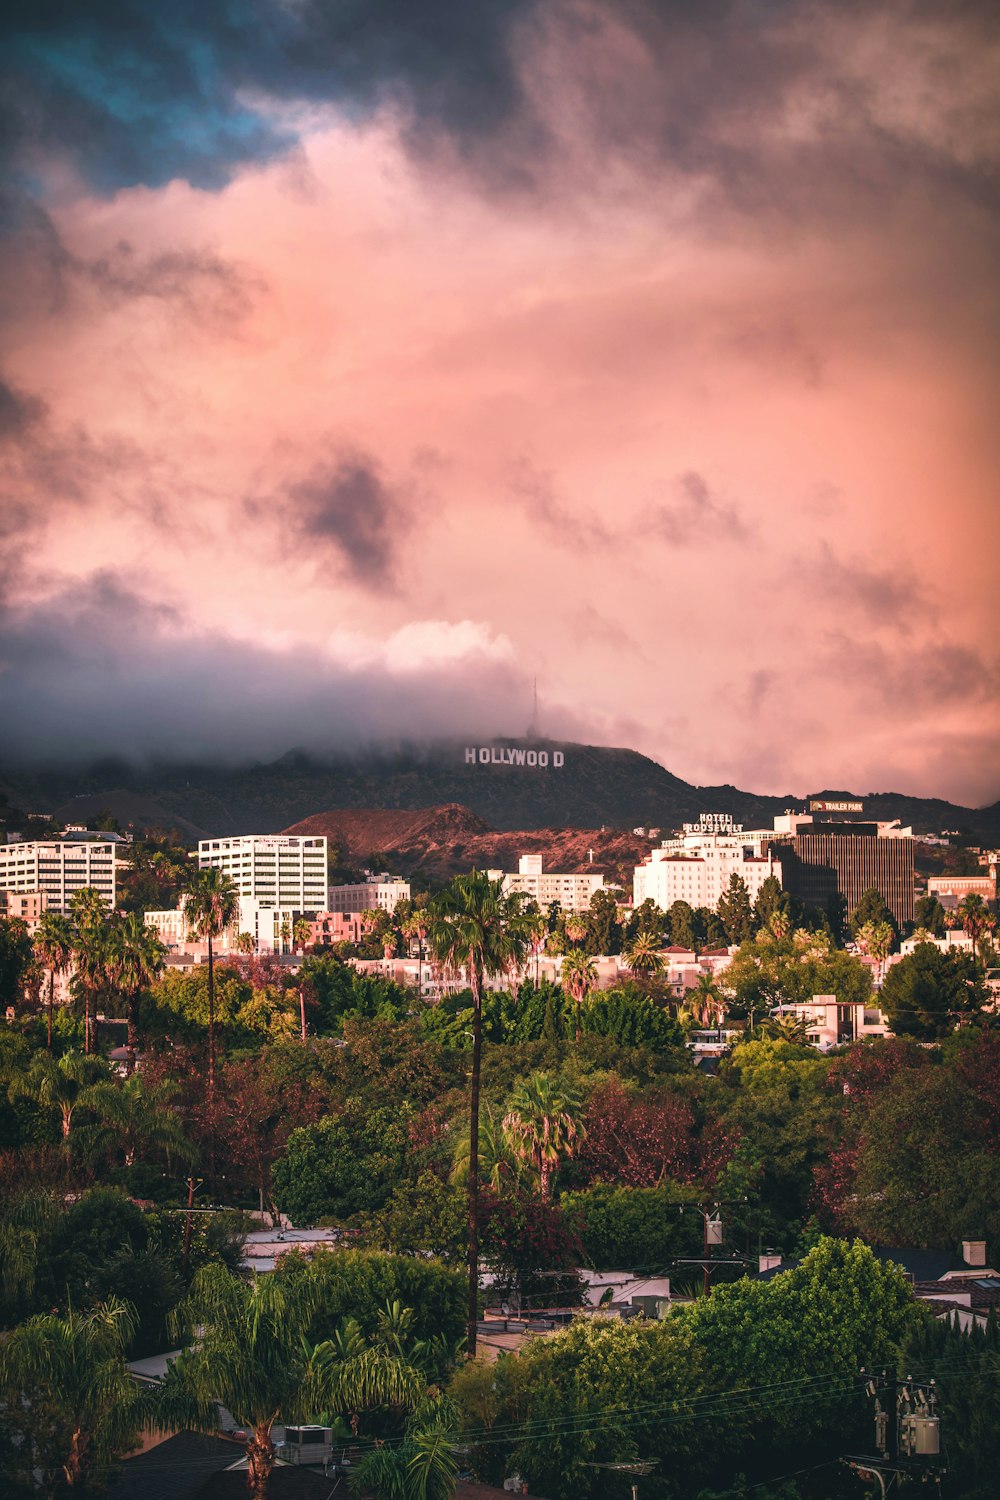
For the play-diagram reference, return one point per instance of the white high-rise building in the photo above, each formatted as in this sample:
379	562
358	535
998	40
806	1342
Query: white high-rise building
58	868
697	866
280	871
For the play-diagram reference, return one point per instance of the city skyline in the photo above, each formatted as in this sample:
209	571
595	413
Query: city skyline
357	373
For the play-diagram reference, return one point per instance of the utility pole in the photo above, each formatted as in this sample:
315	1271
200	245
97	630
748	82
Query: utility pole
192	1184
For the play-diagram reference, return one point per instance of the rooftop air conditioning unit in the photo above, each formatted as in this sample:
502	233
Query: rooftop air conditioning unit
307	1445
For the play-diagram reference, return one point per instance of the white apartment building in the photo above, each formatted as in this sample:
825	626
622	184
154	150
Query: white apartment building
696	867
830	1022
279	871
58	868
573	892
378	894
271	927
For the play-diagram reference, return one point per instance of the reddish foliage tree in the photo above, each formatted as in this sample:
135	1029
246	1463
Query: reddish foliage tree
978	1066
638	1141
260	1107
833	1184
865	1071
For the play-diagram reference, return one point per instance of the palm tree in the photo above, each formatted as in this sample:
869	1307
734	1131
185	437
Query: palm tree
134	1115
254	1358
137	957
787	1028
415	926
977	921
65	1085
475	925
212	904
875	939
705	1003
91	955
542	1125
71	1372
579	975
301	930
644	956
54	951
246	943
497	1165
576	929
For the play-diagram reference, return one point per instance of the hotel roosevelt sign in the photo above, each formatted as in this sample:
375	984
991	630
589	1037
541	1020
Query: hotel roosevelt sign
513	755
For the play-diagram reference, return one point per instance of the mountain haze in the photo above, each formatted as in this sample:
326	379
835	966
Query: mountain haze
595	786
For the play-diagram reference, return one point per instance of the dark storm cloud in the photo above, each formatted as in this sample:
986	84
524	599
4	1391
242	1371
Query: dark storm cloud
19	411
348	505
696	516
141	94
98	670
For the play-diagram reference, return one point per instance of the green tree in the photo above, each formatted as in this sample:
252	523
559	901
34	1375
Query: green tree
771	899
872	909
91	955
928	993
644	956
211	904
646	918
253	1355
838	1311
604	934
925	1174
930	914
64	1085
475	926
15	959
632	1019
136	959
422	1466
344	1164
542	1124
705	1003
978	922
423	1217
680	921
54	949
876	940
579	975
639	1228
78	1405
735	911
134	1116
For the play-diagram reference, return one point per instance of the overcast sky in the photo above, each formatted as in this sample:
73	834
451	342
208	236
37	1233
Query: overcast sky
363	362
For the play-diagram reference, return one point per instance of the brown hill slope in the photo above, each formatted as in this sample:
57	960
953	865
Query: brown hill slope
439	842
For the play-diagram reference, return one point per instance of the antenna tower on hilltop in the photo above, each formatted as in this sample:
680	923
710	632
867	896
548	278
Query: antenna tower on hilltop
533	726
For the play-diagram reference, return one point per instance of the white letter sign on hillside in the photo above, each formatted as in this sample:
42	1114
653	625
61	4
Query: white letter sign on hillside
513	755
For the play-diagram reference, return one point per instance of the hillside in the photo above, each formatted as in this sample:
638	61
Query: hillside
593	786
443	841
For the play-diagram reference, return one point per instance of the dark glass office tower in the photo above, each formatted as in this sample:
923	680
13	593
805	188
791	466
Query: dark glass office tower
825	859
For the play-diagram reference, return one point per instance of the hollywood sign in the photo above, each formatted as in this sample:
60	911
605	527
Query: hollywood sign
512	755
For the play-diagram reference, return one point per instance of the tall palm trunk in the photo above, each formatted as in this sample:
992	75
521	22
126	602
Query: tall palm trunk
477	1052
133	1031
579	1021
88	1021
260	1462
211	1070
52	998
211	1025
